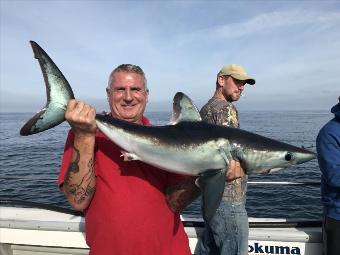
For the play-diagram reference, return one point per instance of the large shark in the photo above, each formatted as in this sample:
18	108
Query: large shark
186	146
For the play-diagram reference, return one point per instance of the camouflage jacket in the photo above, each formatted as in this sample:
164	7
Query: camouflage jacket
221	112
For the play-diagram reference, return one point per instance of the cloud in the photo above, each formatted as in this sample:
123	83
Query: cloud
264	23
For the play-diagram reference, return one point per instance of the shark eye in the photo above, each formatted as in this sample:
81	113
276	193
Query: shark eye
288	156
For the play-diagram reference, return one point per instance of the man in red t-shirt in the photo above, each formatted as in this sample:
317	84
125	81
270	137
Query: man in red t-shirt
130	207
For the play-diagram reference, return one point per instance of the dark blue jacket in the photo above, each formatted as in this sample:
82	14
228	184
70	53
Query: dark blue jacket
328	148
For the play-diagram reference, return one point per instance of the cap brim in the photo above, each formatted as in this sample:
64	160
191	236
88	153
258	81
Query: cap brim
245	78
250	81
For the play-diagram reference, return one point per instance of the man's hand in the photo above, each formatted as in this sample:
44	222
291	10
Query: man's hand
234	171
81	117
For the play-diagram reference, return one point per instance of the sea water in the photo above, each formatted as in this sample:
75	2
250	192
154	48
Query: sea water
36	160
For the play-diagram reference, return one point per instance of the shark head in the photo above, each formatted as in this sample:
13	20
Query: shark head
260	154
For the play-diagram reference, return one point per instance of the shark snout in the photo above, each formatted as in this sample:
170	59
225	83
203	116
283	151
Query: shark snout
305	156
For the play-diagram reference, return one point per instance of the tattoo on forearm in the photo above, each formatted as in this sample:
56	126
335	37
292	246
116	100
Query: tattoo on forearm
80	191
182	194
74	167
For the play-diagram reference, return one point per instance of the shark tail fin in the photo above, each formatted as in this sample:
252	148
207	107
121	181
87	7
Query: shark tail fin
212	185
58	92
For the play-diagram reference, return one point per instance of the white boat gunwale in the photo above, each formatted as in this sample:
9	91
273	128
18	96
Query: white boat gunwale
53	228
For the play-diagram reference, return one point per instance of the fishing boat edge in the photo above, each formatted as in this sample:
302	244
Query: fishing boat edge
27	230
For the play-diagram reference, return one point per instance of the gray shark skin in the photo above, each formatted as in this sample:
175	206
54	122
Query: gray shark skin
186	146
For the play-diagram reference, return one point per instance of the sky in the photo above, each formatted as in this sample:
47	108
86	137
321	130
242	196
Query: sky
291	48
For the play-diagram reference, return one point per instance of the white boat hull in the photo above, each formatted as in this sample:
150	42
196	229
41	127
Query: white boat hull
31	230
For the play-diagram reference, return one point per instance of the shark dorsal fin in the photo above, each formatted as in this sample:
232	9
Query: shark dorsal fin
184	109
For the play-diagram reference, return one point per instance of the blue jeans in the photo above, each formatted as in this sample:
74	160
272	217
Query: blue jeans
227	232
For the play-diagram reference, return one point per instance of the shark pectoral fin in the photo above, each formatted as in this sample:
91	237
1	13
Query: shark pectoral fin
129	156
212	185
224	149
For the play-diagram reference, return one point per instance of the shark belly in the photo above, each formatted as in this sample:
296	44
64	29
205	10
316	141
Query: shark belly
188	161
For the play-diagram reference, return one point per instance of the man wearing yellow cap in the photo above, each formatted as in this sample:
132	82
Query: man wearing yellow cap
227	231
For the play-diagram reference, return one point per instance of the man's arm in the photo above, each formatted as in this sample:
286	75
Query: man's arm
79	183
327	145
181	195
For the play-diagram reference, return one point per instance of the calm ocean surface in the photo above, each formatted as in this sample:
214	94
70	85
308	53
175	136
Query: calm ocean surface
39	156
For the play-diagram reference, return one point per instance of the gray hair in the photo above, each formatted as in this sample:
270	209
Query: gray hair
128	68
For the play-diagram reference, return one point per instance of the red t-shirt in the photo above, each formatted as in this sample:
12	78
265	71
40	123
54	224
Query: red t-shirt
128	213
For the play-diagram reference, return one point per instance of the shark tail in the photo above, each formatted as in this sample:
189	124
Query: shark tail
58	92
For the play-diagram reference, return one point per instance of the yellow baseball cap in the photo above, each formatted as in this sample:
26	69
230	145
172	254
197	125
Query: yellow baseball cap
237	72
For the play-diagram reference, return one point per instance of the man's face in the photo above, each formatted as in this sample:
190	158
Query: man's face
231	88
127	96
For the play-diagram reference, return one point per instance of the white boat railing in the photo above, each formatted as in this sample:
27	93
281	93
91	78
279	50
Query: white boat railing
54	179
284	183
